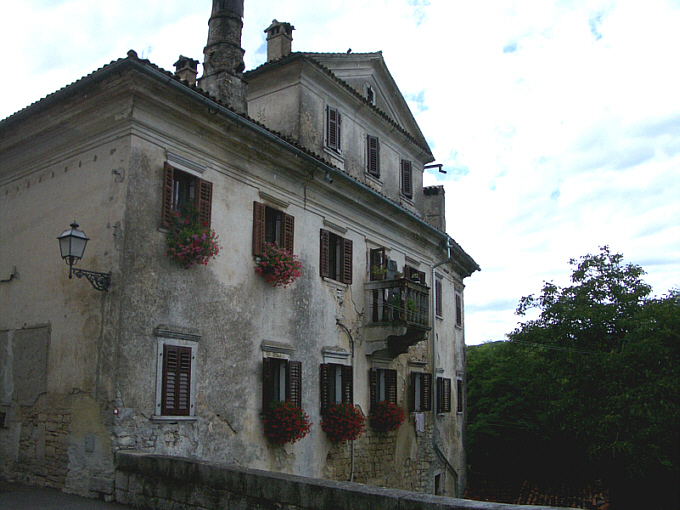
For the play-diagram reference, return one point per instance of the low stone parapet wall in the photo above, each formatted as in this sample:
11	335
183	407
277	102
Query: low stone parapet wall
169	483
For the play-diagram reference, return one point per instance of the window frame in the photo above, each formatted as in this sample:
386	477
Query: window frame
443	395
379	377
333	129
438	296
286	232
343	257
164	346
373	156
202	199
271	366
328	371
420	395
406	178
377	257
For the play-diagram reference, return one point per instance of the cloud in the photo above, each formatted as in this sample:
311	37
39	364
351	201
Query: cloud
511	47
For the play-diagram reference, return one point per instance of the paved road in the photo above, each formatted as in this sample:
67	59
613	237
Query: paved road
25	497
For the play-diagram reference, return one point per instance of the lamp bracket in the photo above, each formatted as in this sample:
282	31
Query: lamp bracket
99	281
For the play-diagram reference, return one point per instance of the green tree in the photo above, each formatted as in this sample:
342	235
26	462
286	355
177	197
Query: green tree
591	385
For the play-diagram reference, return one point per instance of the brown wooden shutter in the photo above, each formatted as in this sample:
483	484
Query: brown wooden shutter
347	385
258	228
346	262
427	392
459	311
412	393
339	128
267	386
438	297
406	178
294	383
373	158
443	395
167	206
324	254
373	384
333	128
391	382
204	202
325	387
287	232
459	395
176	384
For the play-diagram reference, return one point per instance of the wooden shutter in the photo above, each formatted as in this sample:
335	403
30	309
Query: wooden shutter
258	228
443	395
406	178
391	382
373	157
294	383
438	297
204	201
333	128
166	214
459	310
346	262
325	387
347	385
373	384
412	393
427	392
459	395
176	390
267	386
287	232
324	251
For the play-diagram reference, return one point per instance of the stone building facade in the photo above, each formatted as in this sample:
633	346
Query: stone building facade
329	165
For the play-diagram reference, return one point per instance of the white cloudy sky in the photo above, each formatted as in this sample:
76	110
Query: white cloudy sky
558	121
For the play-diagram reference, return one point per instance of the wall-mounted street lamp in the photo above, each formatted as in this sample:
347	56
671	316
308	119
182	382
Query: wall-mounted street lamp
72	244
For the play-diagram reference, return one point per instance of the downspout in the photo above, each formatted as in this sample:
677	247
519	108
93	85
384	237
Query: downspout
351	342
436	447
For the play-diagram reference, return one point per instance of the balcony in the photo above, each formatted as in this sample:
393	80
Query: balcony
398	314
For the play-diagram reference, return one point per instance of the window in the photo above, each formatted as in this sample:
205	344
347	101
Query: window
333	129
378	264
438	297
373	155
370	94
272	226
459	310
336	385
459	395
443	395
421	392
281	381
406	179
383	383
181	189
175	376
413	274
336	257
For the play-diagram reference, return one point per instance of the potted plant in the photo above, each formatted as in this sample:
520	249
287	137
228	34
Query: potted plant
343	422
386	416
378	272
278	266
284	422
190	241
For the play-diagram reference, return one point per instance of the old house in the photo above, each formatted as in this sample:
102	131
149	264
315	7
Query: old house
316	153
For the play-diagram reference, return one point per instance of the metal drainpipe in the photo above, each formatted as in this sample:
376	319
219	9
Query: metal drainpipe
351	342
441	454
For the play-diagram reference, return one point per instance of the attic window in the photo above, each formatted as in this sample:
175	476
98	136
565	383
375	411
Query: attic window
370	95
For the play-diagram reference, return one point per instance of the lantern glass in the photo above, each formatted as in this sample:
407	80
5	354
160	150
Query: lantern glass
72	244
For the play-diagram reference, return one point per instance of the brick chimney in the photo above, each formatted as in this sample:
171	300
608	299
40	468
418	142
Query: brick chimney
186	69
279	40
435	207
223	56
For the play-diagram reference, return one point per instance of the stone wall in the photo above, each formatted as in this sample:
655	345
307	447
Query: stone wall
157	482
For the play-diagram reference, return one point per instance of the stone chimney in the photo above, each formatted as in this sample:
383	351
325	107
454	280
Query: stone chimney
223	56
186	69
435	207
279	40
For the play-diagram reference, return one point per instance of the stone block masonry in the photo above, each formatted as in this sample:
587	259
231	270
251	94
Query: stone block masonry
159	483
